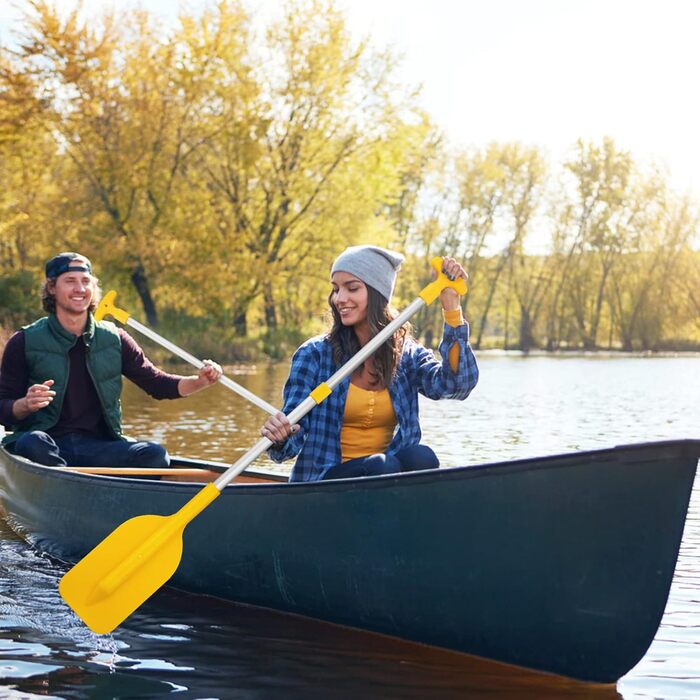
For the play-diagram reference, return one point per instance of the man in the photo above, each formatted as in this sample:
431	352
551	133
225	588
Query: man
60	379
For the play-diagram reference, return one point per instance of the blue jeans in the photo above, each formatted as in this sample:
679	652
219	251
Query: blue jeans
409	459
79	450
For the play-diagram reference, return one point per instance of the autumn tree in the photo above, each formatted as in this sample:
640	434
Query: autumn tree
126	106
498	192
643	291
29	198
303	165
461	201
590	234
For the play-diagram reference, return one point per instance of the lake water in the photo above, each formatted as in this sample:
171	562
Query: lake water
197	647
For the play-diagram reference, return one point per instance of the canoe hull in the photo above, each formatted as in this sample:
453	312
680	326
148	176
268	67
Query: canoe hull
561	564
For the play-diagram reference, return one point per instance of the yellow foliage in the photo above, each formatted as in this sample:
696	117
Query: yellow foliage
213	172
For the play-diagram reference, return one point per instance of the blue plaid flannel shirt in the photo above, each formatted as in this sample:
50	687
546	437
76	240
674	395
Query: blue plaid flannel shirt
317	443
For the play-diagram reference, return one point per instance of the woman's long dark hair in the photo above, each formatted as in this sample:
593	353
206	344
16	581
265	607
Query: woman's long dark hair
345	344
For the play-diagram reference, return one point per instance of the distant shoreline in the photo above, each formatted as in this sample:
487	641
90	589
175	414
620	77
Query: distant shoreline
602	353
163	357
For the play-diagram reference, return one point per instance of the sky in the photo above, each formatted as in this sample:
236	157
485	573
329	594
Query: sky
541	72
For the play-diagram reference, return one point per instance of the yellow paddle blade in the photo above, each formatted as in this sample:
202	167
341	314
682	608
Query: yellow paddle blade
129	565
102	607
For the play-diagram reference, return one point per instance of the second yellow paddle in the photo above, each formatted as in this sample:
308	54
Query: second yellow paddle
106	307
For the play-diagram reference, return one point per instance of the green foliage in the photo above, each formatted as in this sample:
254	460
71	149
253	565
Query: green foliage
207	339
19	298
281	342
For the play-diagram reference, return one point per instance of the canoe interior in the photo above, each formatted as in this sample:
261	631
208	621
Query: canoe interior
212	469
249	476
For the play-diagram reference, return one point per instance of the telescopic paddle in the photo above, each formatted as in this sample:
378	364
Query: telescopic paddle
106	307
133	562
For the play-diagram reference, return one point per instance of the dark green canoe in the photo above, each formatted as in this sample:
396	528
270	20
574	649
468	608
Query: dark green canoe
561	564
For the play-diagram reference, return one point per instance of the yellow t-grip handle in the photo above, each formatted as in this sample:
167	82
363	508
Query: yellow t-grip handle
107	308
432	291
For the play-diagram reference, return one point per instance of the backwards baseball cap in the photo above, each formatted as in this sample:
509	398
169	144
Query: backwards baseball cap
375	266
63	262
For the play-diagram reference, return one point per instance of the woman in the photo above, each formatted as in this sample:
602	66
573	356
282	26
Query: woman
369	424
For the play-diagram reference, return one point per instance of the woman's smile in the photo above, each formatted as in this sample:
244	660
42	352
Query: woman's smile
349	298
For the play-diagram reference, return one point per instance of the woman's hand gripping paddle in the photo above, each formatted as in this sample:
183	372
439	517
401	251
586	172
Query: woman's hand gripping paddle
132	563
107	307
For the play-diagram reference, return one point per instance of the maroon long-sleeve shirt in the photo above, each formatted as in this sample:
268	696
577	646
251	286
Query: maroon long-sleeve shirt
81	410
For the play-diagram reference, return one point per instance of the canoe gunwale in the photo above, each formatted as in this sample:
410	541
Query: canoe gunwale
688	448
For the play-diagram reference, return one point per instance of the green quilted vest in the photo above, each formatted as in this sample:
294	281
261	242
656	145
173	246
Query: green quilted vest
46	346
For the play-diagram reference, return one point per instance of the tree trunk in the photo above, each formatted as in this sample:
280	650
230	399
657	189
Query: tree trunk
506	320
270	308
527	339
140	282
240	324
553	327
595	321
489	300
589	343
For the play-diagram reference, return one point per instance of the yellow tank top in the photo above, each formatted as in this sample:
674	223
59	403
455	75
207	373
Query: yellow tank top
368	423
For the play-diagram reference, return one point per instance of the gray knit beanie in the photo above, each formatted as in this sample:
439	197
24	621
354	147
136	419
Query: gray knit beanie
375	266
